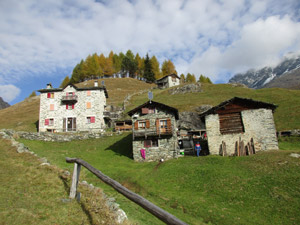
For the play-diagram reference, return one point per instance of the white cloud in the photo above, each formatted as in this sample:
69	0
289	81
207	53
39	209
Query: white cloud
261	43
9	92
206	36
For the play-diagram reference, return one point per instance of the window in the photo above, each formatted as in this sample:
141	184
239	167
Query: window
148	110
151	143
174	79
88	93
70	106
88	105
51	122
50	95
51	107
163	124
142	124
231	123
90	119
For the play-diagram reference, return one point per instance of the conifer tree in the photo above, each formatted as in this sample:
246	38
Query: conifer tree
78	74
128	64
182	78
148	72
32	94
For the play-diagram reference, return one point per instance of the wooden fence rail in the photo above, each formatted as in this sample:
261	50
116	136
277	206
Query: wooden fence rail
147	205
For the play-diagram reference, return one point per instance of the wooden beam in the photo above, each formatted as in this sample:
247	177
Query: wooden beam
144	203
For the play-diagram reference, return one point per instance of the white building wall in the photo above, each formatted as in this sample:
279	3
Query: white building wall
258	124
80	111
171	83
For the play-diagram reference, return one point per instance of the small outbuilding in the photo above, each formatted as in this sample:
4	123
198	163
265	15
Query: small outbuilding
240	119
168	81
154	132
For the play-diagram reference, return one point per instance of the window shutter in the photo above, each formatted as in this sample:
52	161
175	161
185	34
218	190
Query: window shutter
147	124
48	95
157	126
46	122
67	94
136	125
72	106
73	93
74	123
64	124
169	124
92	119
67	106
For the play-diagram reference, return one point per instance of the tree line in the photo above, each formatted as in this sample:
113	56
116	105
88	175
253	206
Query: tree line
123	65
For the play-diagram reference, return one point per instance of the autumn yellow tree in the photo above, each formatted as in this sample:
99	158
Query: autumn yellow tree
168	68
155	68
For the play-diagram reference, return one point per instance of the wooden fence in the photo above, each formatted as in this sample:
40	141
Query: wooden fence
147	205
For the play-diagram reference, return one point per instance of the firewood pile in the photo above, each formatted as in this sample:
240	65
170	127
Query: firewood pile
241	149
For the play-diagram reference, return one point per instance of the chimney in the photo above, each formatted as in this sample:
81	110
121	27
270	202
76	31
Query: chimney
49	86
95	83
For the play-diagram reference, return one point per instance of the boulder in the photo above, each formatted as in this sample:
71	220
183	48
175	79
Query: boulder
188	88
190	121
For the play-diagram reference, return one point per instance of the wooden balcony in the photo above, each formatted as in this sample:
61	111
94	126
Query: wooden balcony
153	132
69	98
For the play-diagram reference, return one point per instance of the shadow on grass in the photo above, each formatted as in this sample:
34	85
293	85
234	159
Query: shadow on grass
123	147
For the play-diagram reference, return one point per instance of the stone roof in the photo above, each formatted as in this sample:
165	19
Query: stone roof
77	88
241	101
155	104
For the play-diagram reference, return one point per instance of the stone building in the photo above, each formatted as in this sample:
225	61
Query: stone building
168	81
154	132
72	109
240	118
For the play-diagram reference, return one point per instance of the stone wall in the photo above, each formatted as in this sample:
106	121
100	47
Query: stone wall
53	137
80	111
258	124
167	145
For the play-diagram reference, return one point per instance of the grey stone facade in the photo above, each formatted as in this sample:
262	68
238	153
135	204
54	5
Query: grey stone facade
166	147
258	124
84	112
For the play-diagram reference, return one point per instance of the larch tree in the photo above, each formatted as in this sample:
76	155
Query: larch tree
155	67
182	78
168	68
65	82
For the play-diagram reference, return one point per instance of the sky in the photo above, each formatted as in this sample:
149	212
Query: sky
42	41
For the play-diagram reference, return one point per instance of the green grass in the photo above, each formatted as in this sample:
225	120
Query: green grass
34	194
259	189
286	116
289	143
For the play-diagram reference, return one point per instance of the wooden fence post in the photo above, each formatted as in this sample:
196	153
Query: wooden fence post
75	180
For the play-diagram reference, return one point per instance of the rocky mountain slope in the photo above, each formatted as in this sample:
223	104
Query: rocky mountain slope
3	104
286	75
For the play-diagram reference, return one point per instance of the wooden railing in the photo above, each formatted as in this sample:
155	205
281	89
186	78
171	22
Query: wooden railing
144	203
152	132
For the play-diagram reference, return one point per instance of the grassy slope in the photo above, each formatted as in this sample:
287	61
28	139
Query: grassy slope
259	189
32	194
24	115
21	116
119	88
287	115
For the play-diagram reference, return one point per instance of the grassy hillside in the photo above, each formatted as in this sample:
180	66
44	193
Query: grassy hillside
119	88
21	116
258	189
287	115
24	115
34	194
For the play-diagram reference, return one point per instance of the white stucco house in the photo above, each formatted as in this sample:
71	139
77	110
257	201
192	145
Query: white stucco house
168	81
72	109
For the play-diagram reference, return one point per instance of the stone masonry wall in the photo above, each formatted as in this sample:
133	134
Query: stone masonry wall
258	124
167	146
80	111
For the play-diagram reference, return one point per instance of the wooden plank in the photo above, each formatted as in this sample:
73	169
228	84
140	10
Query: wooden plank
144	203
75	179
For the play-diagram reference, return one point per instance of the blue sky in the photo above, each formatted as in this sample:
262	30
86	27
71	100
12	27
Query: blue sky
42	41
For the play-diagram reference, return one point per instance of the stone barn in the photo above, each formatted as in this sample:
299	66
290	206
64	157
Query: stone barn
240	118
154	132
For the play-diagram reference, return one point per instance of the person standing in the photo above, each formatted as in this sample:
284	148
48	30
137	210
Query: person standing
198	148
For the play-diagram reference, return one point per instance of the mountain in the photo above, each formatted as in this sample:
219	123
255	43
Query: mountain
286	75
3	104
